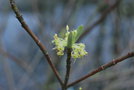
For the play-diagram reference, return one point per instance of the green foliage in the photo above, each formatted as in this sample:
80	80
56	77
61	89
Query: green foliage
79	32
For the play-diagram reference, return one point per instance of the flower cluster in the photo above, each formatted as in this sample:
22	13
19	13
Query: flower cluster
78	49
60	45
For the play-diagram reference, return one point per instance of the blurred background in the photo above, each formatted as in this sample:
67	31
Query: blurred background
109	34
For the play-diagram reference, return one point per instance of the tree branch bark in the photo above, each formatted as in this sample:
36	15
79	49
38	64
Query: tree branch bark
103	67
35	38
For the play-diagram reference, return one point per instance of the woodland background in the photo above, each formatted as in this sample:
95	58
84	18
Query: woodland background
22	64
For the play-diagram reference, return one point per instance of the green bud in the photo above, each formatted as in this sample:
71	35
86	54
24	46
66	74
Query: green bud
74	34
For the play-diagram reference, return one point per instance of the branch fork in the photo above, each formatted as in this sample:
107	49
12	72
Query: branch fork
65	84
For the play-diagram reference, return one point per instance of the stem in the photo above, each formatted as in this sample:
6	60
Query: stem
103	67
68	67
35	38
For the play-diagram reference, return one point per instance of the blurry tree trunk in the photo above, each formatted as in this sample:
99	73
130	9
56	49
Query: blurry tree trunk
39	14
69	10
99	46
116	34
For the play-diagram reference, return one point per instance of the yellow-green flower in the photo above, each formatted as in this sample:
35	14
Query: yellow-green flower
78	49
80	88
60	45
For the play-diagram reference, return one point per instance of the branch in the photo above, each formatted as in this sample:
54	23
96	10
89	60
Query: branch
9	75
68	67
103	67
35	38
24	80
102	18
21	63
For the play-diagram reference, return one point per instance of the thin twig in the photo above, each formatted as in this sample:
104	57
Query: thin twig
35	38
102	17
68	67
27	76
9	75
18	61
103	67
